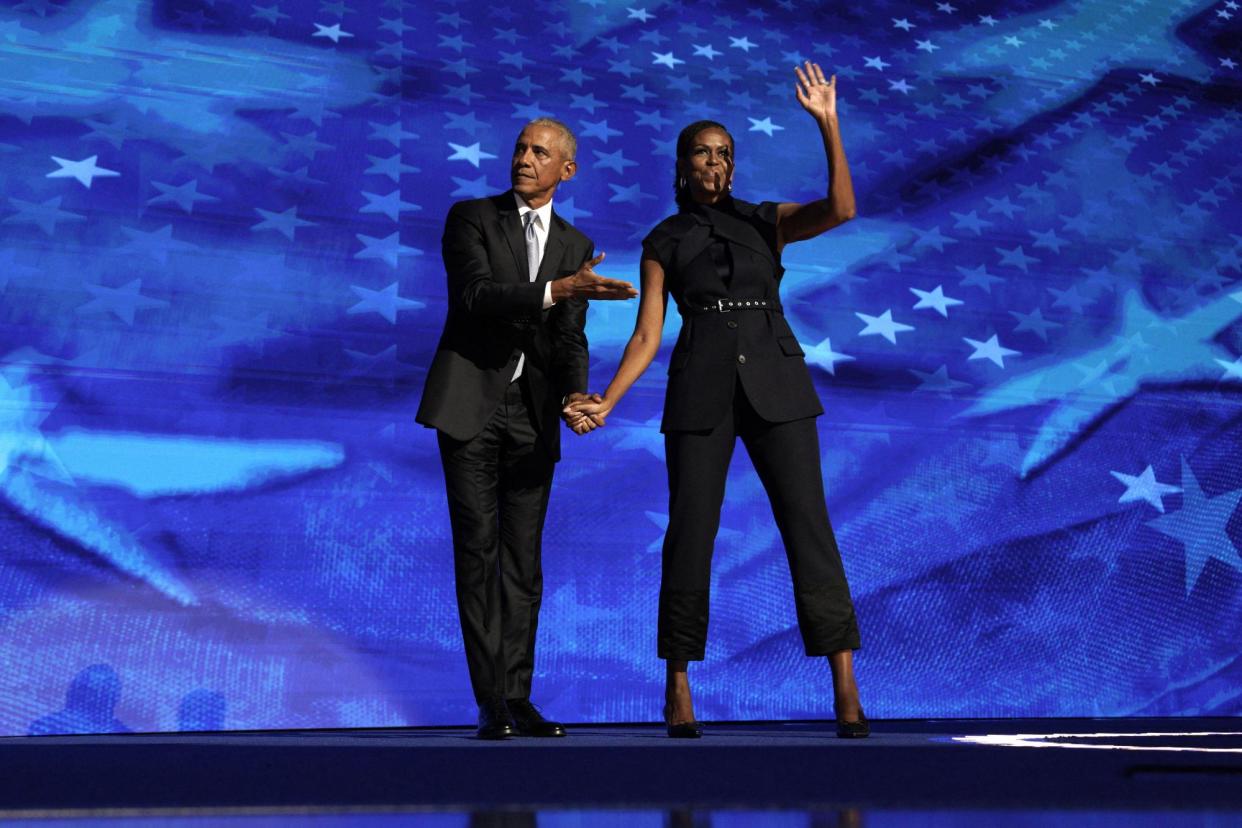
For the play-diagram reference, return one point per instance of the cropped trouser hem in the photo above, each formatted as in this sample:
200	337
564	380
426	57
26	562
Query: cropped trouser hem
826	647
826	620
827	624
682	633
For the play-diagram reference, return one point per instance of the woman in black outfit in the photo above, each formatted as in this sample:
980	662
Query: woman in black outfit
737	371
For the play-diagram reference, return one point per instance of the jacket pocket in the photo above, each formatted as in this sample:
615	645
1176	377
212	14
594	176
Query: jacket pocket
789	345
678	362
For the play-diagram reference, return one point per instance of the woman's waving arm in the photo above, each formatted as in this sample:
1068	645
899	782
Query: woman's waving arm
795	222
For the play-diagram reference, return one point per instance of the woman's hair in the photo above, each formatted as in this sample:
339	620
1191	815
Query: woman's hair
685	142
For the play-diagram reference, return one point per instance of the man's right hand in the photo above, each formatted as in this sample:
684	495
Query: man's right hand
587	284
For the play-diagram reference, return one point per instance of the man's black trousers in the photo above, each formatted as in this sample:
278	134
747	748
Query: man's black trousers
498	484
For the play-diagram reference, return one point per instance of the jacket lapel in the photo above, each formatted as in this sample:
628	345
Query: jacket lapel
511	228
694	239
552	248
737	230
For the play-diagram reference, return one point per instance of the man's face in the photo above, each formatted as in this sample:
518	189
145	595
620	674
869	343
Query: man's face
540	164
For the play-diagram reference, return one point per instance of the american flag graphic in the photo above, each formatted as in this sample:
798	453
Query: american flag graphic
220	286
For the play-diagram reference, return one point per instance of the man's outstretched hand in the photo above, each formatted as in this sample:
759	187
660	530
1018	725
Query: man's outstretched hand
587	284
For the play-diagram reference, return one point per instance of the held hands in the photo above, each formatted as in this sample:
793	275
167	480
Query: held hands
577	422
587	284
585	412
817	95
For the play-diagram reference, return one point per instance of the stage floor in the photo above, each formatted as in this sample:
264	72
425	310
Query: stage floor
1166	764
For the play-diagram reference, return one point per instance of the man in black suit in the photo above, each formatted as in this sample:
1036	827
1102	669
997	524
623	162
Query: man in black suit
513	352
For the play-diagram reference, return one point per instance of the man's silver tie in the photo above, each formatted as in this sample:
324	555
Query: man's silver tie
532	265
532	245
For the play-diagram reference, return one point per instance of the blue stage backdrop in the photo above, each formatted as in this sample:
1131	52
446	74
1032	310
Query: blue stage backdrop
220	287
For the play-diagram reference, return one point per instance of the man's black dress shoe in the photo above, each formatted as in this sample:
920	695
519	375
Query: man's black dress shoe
494	720
528	721
860	729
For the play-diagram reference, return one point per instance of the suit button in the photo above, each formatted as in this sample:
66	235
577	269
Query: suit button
741	358
732	324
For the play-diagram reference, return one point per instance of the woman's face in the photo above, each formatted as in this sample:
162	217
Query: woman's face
708	169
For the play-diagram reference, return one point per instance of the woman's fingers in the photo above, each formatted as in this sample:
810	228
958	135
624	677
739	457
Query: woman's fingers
810	76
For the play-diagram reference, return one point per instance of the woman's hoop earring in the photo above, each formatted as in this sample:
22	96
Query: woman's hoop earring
681	183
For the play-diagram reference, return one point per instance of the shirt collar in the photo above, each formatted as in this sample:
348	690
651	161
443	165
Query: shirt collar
724	205
544	212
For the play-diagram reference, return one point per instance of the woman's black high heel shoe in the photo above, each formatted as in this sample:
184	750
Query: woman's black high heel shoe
860	729
683	730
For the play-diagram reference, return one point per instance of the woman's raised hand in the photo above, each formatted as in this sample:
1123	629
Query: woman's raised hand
818	95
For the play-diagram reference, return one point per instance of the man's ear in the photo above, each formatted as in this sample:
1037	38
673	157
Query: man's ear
569	170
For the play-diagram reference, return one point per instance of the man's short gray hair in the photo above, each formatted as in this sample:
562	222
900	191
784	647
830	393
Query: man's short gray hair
571	142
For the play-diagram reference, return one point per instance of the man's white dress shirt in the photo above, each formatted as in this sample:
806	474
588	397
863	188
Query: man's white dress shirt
542	220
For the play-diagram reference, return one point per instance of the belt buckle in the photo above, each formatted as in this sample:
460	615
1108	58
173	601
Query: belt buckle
720	306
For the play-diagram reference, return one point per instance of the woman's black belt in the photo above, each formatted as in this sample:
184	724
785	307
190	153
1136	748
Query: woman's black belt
730	305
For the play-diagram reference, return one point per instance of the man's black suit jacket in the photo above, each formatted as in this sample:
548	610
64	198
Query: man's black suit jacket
495	313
